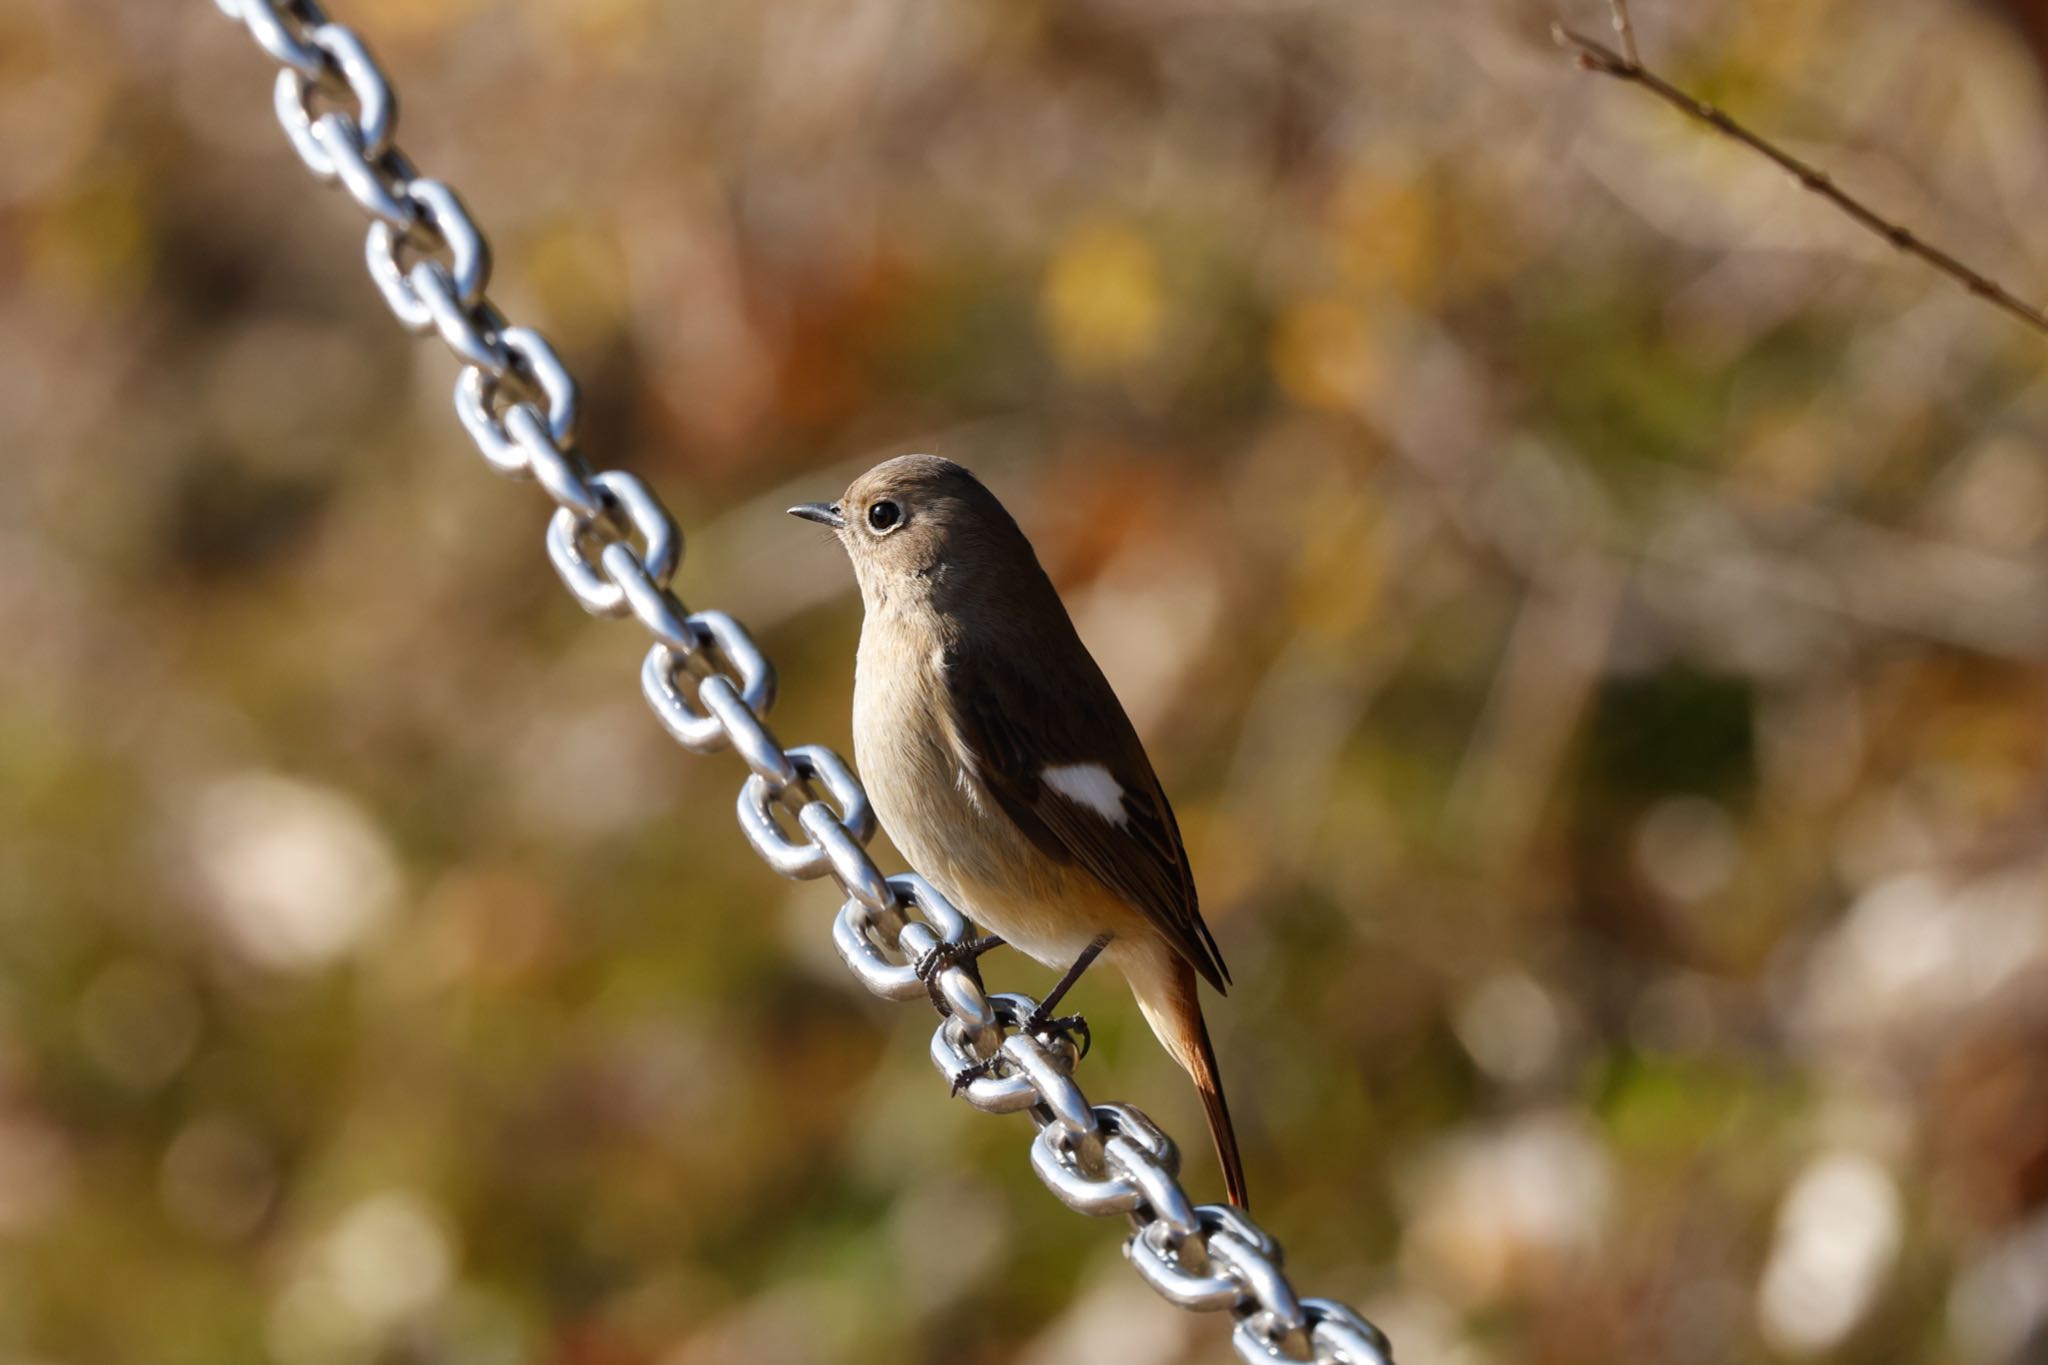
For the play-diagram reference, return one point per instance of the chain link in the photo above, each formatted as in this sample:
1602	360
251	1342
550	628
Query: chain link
711	687
439	222
603	592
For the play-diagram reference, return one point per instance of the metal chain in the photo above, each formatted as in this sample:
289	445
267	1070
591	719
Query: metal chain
617	548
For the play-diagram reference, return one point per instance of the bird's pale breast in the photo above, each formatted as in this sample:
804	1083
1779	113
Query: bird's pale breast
939	816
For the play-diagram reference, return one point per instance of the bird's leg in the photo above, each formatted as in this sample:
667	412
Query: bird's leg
937	960
1043	1024
946	955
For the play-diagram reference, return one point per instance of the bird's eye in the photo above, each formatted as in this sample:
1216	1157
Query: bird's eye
884	515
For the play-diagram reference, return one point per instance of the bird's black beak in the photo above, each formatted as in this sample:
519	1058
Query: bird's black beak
824	513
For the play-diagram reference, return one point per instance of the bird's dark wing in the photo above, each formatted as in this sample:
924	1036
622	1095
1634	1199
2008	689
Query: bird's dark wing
1013	724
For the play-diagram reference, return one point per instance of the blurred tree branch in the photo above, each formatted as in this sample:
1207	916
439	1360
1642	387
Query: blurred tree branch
1626	65
1625	29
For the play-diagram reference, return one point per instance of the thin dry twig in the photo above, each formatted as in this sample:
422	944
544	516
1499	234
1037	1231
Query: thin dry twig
1625	66
1625	29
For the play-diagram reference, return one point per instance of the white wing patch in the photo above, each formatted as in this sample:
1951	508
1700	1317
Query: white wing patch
1090	785
969	788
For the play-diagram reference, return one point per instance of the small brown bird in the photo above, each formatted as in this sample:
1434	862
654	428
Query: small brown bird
1005	768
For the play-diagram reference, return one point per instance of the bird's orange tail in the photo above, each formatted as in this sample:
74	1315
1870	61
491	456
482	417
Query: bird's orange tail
1170	999
1202	1066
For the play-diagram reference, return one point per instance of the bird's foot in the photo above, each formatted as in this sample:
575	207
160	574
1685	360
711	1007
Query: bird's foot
1040	1026
968	1075
947	955
1053	1030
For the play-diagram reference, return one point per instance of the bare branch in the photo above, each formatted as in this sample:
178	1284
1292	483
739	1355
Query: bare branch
1625	29
1625	66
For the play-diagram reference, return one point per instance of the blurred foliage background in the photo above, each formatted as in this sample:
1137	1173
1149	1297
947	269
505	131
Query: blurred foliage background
1588	603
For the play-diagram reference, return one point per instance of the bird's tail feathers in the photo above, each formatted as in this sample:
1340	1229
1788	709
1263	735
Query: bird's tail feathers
1209	1084
1173	1007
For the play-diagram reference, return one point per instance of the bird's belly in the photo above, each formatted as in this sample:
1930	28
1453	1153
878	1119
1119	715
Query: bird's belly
963	843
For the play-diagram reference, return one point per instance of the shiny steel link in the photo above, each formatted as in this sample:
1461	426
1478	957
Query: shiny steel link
1339	1333
702	731
724	704
474	334
1275	1313
371	179
376	106
1007	1091
439	213
853	934
1074	1121
1064	1164
651	603
617	549
969	1009
1163	1257
596	589
1255	1348
560	472
278	34
660	674
748	734
845	859
1164	1201
855	818
958	987
965	999
476	393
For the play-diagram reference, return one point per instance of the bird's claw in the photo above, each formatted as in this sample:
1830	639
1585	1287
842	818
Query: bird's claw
968	1075
1055	1030
1040	1026
944	955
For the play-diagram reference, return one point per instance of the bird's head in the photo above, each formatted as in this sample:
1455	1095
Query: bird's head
911	523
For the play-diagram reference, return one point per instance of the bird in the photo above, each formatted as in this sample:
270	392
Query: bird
1003	766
